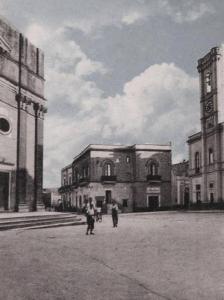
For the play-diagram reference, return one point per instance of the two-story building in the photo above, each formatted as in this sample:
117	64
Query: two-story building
138	177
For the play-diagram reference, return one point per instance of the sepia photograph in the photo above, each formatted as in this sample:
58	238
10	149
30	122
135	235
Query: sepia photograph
111	150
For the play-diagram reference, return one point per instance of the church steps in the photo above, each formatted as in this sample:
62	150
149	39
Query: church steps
40	221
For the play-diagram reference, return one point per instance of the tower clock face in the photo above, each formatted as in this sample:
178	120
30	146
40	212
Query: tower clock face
208	106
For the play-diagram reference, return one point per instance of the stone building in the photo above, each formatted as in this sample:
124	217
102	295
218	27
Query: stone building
206	148
22	108
138	177
180	184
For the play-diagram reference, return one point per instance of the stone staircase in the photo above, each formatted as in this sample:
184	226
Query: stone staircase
23	207
39	220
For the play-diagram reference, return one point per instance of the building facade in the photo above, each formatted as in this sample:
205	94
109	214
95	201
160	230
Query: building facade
22	108
137	177
206	148
180	185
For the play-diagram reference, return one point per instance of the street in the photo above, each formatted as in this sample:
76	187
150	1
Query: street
165	255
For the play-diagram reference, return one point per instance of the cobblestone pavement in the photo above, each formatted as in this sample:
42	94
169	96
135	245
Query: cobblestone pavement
149	256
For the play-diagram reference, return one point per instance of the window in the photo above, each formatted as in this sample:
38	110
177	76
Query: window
211	185
125	202
77	175
4	125
128	159
153	169
208	82
108	168
70	179
198	193
197	162
210	156
85	171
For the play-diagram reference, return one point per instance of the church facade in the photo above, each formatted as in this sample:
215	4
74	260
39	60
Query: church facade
137	177
22	108
206	148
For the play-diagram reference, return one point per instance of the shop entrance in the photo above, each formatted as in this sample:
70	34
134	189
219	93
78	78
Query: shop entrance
4	190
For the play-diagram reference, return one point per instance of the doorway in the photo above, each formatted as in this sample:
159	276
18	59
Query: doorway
4	190
108	196
153	202
186	197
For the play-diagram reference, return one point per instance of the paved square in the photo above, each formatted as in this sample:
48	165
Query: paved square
149	256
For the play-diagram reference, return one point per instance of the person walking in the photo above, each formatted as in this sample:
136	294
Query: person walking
90	212
114	213
98	214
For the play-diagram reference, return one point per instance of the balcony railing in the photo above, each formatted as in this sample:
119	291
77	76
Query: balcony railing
111	178
65	188
153	177
83	181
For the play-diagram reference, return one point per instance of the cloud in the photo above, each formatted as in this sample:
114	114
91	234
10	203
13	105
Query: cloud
155	107
95	15
151	100
132	17
159	105
187	12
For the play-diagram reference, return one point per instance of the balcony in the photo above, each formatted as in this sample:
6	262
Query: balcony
153	177
109	179
83	181
65	189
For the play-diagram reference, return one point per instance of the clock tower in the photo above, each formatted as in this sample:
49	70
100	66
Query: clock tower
211	73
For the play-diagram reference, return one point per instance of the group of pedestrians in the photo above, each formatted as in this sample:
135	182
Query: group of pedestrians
93	214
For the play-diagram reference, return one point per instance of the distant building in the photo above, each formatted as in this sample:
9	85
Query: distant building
22	108
206	152
181	184
51	198
138	177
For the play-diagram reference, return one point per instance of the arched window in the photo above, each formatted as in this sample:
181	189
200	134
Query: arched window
153	167
208	82
197	162
108	168
210	156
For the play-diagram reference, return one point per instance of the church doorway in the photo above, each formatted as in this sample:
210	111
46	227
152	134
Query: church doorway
4	191
153	202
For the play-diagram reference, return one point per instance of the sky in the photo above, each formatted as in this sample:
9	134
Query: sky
118	72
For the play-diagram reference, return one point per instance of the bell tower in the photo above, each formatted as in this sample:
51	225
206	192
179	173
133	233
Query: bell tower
211	72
